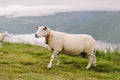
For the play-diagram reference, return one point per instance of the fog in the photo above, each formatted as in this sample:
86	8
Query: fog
105	46
30	39
25	38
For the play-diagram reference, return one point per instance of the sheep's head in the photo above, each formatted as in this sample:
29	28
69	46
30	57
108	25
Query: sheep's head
41	31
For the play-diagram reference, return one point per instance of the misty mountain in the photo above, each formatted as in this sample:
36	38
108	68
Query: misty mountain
56	22
103	25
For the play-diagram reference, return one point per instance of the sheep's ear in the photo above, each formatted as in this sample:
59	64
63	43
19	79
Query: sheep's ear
36	27
45	28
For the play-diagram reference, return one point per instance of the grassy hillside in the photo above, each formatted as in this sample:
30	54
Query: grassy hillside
27	62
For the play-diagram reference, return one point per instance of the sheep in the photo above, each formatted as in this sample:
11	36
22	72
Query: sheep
71	44
2	37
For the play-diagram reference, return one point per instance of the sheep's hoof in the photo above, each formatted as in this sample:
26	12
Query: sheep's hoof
87	68
57	65
95	64
48	67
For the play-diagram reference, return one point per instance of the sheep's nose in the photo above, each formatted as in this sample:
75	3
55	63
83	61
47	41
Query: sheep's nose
36	36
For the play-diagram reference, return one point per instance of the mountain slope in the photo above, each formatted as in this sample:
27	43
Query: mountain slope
106	27
103	25
56	21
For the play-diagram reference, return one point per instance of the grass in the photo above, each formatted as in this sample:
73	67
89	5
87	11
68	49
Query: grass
28	62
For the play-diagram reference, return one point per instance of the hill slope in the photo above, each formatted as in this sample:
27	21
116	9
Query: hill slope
27	62
26	24
103	25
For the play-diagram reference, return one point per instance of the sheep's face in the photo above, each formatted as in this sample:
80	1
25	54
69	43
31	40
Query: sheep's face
41	31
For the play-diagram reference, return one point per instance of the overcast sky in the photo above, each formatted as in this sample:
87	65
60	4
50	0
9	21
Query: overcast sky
16	8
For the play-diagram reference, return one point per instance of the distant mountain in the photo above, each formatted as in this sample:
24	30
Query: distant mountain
103	25
56	21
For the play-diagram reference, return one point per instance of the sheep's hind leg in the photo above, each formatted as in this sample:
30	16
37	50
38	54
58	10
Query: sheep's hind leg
90	61
94	60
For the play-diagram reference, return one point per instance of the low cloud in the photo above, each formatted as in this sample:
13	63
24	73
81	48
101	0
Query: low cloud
30	39
17	11
13	8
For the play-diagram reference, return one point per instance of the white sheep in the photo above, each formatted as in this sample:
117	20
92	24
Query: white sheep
71	44
2	37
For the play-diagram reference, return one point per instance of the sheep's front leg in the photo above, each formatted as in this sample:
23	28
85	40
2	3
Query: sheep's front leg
52	58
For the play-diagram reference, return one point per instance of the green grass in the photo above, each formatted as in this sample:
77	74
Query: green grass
27	62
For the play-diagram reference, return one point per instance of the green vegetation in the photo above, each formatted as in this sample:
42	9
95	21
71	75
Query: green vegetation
28	62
